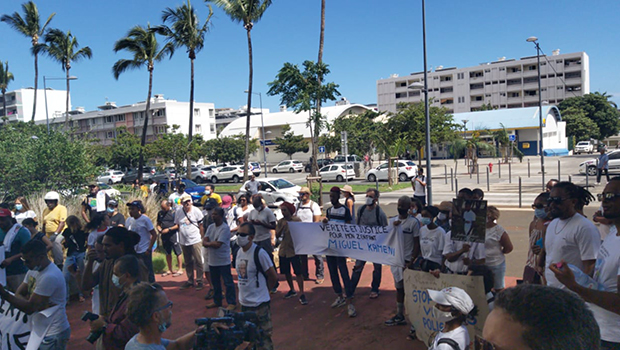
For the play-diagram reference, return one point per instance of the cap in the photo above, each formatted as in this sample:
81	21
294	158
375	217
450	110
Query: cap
185	197
226	201
289	206
347	188
5	213
93	184
453	296
112	203
210	204
136	203
445	206
304	190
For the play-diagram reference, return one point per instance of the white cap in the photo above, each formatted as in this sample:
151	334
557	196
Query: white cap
52	196
453	296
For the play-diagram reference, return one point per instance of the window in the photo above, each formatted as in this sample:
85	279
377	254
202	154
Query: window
475	86
109	119
560	87
119	118
461	99
502	68
532	67
212	129
198	128
487	71
460	76
109	135
446	89
402	84
197	112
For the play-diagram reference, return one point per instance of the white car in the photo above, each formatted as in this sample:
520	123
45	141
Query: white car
111	177
584	147
232	173
205	174
590	165
111	192
406	170
276	190
290	166
336	172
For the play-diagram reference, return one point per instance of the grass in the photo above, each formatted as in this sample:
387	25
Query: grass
159	262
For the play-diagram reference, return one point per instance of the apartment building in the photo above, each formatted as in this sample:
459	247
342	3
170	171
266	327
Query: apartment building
225	116
19	104
505	83
103	123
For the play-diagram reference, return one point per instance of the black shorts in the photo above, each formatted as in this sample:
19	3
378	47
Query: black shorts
170	242
285	265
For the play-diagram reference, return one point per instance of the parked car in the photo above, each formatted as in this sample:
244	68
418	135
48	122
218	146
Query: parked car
320	162
590	165
288	165
111	192
232	173
276	190
406	170
350	159
205	174
193	189
584	147
255	168
111	177
131	176
337	172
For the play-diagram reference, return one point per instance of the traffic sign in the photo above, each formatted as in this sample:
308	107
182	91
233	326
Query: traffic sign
267	142
512	137
321	149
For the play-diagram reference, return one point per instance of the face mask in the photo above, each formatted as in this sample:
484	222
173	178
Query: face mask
243	241
442	216
19	207
426	221
110	210
162	327
116	281
370	201
413	211
207	192
540	213
442	316
402	211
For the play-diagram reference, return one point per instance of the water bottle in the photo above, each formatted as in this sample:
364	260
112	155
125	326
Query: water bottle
585	280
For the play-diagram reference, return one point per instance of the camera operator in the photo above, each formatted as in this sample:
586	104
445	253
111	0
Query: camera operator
148	308
257	277
117	328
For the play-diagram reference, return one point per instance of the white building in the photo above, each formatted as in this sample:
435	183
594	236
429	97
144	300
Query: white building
103	123
225	116
19	104
505	83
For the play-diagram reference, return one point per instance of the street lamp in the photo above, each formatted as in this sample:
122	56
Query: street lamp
534	40
260	97
424	88
47	120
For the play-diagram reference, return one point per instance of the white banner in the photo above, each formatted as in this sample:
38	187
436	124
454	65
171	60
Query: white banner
419	305
376	244
14	327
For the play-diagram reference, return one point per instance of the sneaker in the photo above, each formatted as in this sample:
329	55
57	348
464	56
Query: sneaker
210	294
397	320
290	294
186	285
212	305
319	281
351	310
231	307
199	286
340	301
374	295
302	300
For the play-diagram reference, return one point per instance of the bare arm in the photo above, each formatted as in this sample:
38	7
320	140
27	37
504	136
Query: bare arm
505	243
29	306
588	266
183	343
272	278
84	213
61	226
607	300
90	278
48	243
153	239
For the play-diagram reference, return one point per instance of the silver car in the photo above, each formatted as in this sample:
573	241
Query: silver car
337	172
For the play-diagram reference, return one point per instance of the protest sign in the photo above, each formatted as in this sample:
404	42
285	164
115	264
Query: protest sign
469	220
376	244
14	327
419	305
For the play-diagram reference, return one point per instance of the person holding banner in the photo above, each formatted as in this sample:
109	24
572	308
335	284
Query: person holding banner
452	307
13	237
286	252
496	244
432	242
309	211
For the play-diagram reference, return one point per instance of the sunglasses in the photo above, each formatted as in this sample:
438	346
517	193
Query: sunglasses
607	196
556	200
242	234
169	304
538	206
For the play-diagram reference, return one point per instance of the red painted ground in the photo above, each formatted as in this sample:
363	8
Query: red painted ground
313	326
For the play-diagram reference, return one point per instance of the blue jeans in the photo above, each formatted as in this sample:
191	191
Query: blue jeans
76	259
223	272
357	274
57	341
499	272
337	264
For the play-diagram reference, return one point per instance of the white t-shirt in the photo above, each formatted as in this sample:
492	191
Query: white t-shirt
419	190
252	186
266	216
406	230
189	233
432	243
493	248
50	283
236	213
175	200
459	335
94	235
476	251
27	214
606	272
306	212
143	226
219	256
249	294
572	240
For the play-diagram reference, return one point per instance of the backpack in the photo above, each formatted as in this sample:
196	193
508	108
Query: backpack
310	207
452	343
359	214
259	267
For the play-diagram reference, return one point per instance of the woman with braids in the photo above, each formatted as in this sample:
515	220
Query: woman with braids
584	197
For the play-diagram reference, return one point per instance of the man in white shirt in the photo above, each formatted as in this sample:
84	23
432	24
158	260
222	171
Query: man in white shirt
264	222
604	304
570	236
217	241
175	197
143	226
252	185
255	281
418	183
188	220
309	211
43	288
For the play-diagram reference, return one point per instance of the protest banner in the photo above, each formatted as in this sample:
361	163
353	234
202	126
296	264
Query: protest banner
419	305
469	220
14	327
376	244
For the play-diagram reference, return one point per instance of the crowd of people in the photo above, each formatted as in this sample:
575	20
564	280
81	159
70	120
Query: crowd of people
103	255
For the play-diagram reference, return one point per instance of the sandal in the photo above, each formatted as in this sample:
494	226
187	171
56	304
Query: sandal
166	274
177	274
374	295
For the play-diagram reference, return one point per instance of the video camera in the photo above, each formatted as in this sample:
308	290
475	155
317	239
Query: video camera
94	335
239	327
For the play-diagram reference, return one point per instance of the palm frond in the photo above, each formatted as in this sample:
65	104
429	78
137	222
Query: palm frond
123	65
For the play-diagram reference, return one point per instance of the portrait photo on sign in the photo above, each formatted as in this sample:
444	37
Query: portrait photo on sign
469	220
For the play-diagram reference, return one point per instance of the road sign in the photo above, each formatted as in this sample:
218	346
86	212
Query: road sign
512	137
321	149
267	142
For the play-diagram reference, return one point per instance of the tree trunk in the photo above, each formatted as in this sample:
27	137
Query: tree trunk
36	85
147	112
67	101
249	111
191	122
317	130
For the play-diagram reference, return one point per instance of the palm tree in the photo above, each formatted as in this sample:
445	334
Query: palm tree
142	44
61	47
317	119
29	25
184	30
5	78
246	12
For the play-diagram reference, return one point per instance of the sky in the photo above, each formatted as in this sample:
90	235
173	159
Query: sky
365	40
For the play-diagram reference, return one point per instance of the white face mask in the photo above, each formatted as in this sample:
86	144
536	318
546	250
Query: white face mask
243	241
442	316
370	201
442	216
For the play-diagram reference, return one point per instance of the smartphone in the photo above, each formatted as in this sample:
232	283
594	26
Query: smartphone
540	243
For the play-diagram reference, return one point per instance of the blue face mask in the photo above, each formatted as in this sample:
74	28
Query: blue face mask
540	213
19	207
110	210
426	221
116	281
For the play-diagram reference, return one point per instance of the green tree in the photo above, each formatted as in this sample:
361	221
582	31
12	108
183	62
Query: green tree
125	150
579	125
246	12
174	147
34	160
290	143
364	133
142	43
63	48
227	148
184	30
29	25
5	78
597	107
301	90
